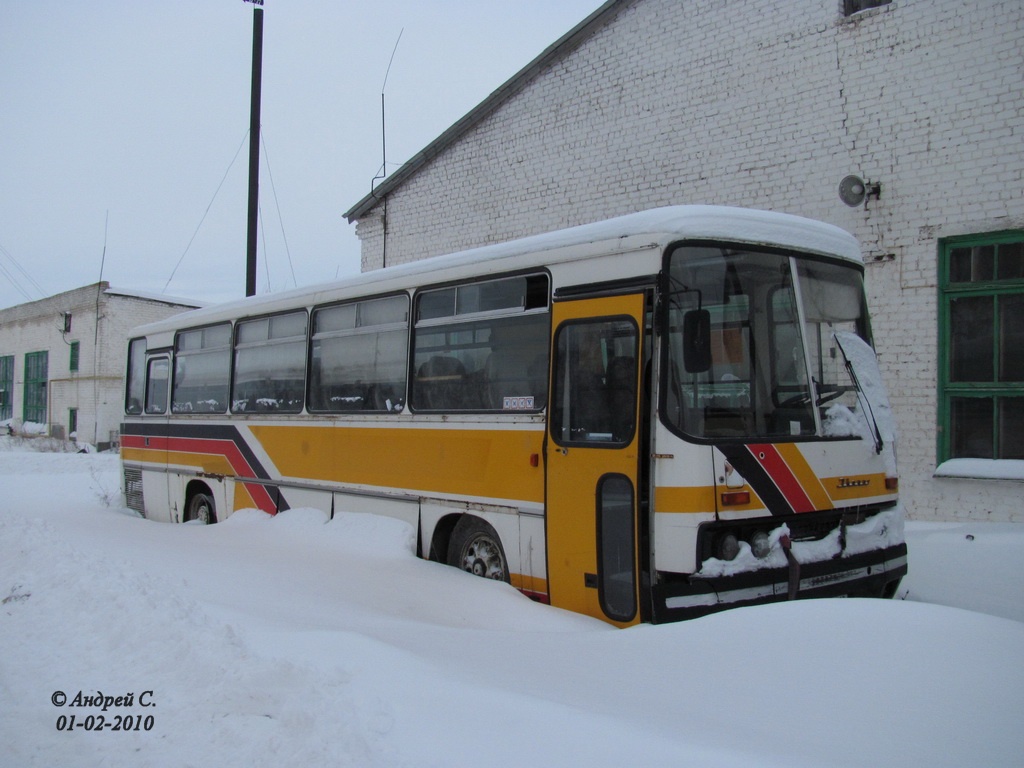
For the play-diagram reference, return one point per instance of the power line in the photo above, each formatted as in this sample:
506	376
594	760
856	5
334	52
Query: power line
181	258
280	219
14	279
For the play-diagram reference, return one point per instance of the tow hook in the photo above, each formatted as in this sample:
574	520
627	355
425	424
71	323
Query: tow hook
794	566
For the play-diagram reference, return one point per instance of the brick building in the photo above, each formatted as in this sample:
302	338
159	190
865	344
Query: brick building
771	105
63	358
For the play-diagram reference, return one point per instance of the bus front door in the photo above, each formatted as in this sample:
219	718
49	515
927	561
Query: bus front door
593	456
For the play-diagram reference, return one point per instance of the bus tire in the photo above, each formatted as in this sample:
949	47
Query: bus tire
476	548
201	508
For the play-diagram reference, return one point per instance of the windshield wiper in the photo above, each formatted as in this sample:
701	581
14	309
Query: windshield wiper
866	400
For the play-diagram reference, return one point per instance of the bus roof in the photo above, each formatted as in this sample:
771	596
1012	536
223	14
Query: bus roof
656	227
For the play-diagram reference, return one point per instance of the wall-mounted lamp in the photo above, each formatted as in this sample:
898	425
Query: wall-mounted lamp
853	190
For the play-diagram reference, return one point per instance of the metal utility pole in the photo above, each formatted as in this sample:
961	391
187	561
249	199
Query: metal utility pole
254	146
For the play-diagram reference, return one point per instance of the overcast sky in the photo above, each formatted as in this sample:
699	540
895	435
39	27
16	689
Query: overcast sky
119	120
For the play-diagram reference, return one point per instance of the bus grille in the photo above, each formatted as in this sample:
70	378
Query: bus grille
133	490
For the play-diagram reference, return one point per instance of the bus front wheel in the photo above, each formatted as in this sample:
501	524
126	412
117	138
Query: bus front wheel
475	547
201	509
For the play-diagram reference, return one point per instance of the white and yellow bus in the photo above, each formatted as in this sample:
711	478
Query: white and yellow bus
643	419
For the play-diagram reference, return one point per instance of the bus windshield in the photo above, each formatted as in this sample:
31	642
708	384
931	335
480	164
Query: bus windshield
772	367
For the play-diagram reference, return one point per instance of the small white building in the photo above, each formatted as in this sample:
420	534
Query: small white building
772	105
63	358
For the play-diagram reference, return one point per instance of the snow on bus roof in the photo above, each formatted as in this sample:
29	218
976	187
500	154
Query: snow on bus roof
663	225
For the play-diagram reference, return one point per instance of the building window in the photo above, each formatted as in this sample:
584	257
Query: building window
72	422
73	365
981	347
6	387
851	7
36	364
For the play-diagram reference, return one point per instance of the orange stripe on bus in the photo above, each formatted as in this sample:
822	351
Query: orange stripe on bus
808	479
486	463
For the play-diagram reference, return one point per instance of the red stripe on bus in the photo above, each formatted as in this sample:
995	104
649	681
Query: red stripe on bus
778	470
225	448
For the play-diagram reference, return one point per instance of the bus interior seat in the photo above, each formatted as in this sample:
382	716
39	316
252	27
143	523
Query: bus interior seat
620	381
439	383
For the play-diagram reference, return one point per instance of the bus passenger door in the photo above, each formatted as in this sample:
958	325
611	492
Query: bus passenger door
593	456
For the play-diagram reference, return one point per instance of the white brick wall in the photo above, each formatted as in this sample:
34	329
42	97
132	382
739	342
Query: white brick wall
765	105
96	389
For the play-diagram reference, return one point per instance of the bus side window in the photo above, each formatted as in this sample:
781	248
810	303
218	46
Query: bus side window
358	356
202	367
156	385
482	346
135	387
270	364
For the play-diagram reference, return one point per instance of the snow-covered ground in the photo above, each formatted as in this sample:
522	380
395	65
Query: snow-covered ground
297	641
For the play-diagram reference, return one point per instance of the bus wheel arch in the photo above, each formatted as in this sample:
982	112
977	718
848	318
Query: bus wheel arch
199	504
442	537
475	546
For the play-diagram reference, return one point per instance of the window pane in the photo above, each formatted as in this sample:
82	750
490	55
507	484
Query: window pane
595	383
36	367
136	386
334	319
202	366
971	427
436	304
156	385
1011	261
290	326
357	372
971	320
495	361
1011	338
6	387
270	369
972	264
1011	428
188	340
359	354
495	364
615	534
758	382
394	309
253	330
851	7
217	336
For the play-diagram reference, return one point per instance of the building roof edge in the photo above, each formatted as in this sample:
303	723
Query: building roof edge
565	44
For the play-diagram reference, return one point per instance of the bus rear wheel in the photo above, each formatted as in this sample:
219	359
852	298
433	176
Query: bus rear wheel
200	508
476	548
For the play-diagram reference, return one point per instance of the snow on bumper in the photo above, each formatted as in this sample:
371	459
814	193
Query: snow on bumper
868	558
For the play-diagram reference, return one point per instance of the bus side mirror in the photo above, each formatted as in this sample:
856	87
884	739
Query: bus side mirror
697	340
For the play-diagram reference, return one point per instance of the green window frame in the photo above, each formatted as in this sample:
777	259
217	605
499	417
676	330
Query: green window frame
73	361
36	372
6	387
981	347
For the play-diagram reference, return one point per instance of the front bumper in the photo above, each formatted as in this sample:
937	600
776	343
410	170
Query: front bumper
874	573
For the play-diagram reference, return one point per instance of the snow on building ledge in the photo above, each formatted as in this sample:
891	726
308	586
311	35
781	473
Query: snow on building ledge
981	469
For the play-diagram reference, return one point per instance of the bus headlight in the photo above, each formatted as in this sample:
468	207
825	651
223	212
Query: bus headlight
760	545
727	547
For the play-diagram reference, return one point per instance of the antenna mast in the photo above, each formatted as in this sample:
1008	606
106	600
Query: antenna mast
383	128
